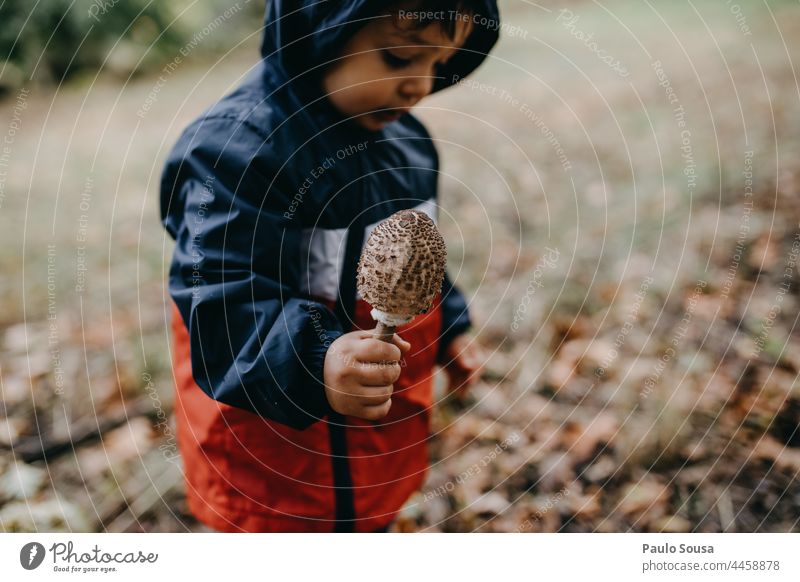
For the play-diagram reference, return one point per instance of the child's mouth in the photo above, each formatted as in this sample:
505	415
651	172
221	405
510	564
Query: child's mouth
390	115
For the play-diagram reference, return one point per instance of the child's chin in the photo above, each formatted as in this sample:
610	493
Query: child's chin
370	122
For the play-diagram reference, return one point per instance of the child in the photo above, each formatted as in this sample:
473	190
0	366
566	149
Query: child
312	424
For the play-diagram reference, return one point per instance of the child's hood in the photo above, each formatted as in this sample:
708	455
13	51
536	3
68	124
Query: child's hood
305	35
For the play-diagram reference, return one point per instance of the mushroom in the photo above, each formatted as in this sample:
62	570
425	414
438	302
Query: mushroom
401	269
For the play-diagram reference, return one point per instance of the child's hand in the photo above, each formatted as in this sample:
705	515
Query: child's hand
359	374
463	362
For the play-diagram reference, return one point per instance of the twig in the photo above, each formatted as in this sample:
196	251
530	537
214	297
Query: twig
49	446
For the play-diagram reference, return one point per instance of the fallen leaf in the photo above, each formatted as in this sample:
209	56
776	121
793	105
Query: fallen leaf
648	496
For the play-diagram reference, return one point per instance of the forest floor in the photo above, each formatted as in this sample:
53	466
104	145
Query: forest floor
623	213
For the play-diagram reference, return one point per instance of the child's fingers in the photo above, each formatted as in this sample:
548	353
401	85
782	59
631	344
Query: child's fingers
396	339
380	374
364	333
375	350
471	358
375	412
471	364
375	395
474	375
401	343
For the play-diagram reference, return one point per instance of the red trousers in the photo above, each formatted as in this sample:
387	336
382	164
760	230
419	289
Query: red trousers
250	474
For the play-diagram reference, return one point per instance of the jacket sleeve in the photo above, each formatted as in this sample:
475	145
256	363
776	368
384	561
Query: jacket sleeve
455	315
256	343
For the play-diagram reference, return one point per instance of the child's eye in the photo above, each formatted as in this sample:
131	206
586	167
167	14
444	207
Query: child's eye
394	61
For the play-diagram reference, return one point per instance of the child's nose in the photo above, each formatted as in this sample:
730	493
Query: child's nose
416	87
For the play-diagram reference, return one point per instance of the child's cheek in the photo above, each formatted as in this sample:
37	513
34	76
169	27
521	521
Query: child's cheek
372	97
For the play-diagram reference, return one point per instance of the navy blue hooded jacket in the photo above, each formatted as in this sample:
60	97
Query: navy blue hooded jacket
268	196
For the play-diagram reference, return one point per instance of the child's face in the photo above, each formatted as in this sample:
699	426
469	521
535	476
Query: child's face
387	67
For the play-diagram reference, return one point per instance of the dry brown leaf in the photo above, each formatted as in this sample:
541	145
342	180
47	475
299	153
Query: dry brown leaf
646	497
583	506
671	524
784	457
601	469
492	503
556	470
581	440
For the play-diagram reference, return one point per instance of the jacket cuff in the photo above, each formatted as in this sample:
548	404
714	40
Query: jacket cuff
314	400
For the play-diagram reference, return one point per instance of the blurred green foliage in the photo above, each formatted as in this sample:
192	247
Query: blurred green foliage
50	41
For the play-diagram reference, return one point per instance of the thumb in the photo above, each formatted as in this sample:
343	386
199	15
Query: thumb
401	343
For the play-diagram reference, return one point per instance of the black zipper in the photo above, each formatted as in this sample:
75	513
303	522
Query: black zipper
345	311
342	479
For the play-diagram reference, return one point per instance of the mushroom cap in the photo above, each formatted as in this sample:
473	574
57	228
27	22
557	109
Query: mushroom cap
402	265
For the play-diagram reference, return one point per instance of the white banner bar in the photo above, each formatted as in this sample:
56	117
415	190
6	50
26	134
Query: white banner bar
400	557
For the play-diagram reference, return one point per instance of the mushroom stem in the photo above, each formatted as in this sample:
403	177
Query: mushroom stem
384	332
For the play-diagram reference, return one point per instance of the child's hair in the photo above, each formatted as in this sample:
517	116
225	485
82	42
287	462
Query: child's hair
446	13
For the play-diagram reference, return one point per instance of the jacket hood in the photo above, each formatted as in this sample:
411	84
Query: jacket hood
302	36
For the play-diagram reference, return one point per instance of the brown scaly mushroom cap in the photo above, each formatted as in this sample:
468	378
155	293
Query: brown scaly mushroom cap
402	267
